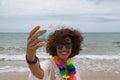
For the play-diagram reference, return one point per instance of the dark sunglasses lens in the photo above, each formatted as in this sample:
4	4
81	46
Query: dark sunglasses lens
59	46
68	45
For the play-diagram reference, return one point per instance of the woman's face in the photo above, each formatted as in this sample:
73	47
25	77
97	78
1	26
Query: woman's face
64	49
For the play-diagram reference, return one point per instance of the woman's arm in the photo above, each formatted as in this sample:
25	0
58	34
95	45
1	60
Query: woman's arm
33	43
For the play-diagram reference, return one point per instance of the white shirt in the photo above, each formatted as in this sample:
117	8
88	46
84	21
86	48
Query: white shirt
51	71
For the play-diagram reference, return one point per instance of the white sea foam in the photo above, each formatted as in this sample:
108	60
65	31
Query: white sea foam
45	56
99	56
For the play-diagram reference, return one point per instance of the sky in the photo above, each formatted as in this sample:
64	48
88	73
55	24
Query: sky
85	15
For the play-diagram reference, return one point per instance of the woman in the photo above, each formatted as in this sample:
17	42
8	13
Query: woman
62	45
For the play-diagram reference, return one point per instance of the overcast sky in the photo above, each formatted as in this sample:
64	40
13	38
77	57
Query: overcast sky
85	15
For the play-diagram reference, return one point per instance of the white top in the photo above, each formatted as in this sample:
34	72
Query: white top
51	71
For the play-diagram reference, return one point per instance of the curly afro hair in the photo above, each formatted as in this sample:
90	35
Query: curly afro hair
58	36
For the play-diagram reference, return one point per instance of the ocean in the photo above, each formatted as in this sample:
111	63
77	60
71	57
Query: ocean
101	52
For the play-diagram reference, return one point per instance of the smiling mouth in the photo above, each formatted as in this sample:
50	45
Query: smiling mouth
63	52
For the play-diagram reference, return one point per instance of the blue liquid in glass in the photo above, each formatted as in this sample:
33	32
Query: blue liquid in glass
45	35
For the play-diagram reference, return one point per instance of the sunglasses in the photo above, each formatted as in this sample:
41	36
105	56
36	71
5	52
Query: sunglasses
67	46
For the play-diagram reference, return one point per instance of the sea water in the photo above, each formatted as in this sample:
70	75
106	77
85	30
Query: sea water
101	52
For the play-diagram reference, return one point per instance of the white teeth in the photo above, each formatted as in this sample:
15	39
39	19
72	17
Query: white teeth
64	53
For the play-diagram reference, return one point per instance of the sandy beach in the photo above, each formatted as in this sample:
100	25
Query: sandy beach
84	76
113	74
14	76
100	76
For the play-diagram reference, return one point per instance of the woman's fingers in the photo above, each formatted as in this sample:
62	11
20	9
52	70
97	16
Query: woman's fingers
33	42
38	41
35	47
33	31
35	36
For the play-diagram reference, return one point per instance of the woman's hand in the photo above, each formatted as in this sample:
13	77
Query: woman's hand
33	42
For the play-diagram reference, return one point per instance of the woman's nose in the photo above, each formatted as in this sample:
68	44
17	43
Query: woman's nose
64	48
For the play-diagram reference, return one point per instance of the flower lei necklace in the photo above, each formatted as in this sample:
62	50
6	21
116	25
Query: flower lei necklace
63	71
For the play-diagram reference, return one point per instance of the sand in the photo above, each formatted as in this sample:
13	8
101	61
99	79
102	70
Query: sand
100	76
84	76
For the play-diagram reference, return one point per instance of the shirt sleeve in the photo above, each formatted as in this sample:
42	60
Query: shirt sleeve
44	66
